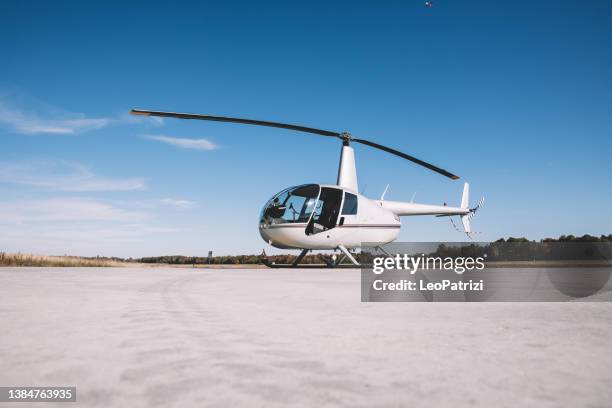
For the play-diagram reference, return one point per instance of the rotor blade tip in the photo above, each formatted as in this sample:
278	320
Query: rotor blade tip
139	112
455	177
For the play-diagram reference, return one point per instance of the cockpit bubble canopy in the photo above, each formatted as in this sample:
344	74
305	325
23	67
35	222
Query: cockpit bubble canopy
292	205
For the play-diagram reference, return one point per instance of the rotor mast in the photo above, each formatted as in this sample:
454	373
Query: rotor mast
347	169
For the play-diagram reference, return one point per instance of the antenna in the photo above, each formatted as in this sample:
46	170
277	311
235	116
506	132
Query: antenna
382	197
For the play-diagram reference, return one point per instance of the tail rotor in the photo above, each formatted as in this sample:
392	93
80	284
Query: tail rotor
465	219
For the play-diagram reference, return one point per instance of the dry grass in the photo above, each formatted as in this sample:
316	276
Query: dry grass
19	259
7	259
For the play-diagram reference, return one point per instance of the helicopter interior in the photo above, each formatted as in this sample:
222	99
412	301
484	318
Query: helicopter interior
319	207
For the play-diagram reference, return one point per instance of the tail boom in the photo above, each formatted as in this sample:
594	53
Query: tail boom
402	209
466	213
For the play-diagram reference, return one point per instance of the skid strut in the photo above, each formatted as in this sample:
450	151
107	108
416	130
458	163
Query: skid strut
348	254
300	257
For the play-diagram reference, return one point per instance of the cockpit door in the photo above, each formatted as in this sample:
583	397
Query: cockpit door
327	209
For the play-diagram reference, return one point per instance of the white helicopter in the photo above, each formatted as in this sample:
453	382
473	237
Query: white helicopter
336	217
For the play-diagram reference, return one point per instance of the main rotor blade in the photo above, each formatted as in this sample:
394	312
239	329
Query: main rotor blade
407	157
343	136
235	120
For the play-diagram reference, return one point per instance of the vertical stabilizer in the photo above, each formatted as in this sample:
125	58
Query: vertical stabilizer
465	202
465	198
347	171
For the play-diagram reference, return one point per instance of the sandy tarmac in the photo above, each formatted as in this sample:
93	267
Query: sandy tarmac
263	338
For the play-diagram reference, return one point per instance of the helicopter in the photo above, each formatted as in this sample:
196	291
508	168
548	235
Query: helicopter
336	217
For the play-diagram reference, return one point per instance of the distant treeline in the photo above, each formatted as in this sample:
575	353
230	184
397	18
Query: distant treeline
564	248
564	238
231	259
521	252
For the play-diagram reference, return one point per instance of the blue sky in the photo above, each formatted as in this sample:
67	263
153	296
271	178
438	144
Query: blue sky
515	97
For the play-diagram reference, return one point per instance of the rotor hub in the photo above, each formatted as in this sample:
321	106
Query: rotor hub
346	138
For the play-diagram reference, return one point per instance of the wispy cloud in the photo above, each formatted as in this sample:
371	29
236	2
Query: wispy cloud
96	234
81	226
87	238
27	116
30	123
78	226
64	209
197	144
177	202
65	177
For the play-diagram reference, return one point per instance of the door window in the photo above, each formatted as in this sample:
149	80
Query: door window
326	211
350	204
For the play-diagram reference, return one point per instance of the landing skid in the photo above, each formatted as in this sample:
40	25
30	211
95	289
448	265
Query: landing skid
306	266
329	263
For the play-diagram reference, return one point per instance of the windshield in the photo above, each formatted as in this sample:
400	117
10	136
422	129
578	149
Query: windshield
292	205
